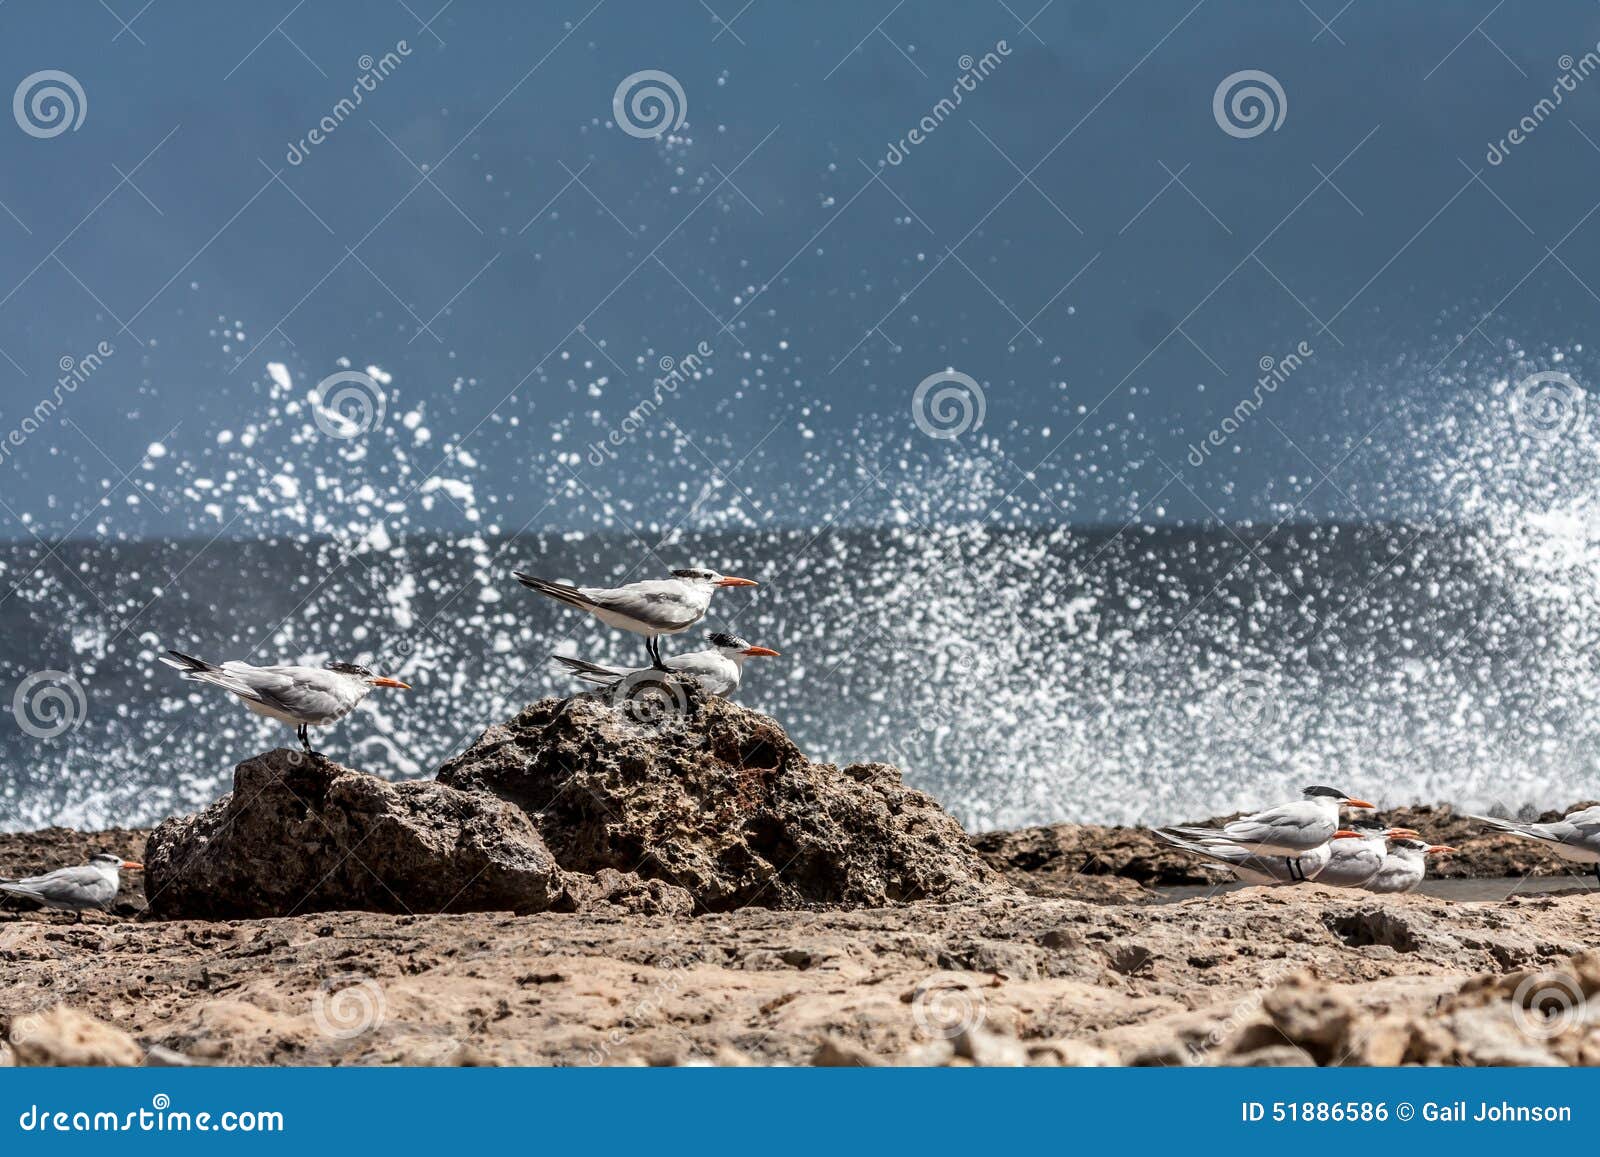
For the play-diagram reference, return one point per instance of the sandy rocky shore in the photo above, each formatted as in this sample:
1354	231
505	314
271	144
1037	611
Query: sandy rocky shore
584	887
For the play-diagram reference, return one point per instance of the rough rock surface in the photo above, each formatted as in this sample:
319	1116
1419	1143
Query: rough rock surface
1253	977
300	834
715	799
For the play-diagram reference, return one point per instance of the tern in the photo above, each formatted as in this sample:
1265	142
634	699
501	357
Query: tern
91	885
303	697
652	608
1355	862
1575	837
1405	865
717	669
1291	829
1250	868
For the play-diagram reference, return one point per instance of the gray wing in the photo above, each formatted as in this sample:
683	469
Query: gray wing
1292	820
308	692
80	885
659	603
710	669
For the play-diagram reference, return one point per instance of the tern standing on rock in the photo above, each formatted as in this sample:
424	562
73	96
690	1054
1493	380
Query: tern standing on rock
1355	863
1290	830
1405	865
653	608
1250	868
1575	837
303	697
717	669
92	885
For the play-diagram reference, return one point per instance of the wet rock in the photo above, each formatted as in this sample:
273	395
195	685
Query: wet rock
64	1036
301	834
714	798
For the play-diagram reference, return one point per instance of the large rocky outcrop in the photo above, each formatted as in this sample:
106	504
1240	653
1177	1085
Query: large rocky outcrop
300	834
715	799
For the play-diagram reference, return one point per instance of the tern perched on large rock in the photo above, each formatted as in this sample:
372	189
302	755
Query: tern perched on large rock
303	697
652	608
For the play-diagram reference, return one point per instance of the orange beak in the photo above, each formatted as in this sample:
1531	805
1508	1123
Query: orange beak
132	866
737	582
1342	834
1361	803
766	651
1436	849
1402	833
385	681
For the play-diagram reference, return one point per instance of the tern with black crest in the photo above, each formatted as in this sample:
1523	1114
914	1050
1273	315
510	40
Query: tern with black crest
717	670
79	889
1291	829
652	608
302	697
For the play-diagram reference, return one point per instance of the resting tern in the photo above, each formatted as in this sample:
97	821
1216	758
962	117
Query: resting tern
303	697
1250	868
1291	829
653	608
1405	865
1575	837
91	885
1355	862
717	669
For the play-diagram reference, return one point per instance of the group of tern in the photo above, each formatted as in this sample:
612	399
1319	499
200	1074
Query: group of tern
307	697
1304	842
1295	843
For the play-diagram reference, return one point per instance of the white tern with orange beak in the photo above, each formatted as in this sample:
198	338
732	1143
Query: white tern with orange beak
91	885
717	669
1289	830
303	697
652	608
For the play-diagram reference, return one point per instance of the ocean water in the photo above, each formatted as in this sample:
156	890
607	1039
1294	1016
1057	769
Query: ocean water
1022	675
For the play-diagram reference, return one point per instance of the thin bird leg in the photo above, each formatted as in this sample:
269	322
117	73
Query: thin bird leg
653	645
304	732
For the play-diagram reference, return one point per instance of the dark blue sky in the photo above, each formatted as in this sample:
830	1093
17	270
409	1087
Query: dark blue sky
482	189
